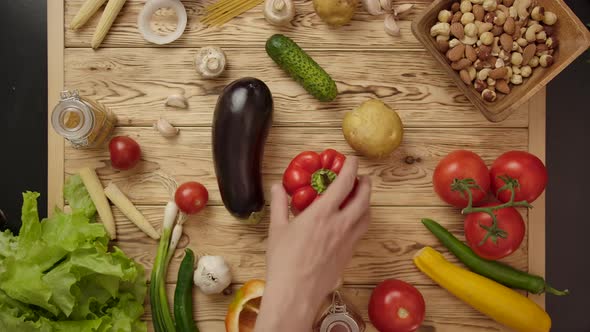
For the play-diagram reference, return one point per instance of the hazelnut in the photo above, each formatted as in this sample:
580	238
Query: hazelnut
551	43
515	70
509	73
454	42
516	79
534	62
541	37
499	63
515	46
478	64
444	16
465	6
522	42
489	17
497	30
484	27
546	60
491	81
467	18
470	30
490	5
500	18
487	38
538	13
479	43
526	71
480	85
483	74
478	12
488	95
550	18
516	59
455	7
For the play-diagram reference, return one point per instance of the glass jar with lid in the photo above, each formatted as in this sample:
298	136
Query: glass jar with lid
339	315
82	121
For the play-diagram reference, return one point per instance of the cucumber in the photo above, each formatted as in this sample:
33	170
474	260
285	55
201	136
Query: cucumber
291	58
183	295
497	271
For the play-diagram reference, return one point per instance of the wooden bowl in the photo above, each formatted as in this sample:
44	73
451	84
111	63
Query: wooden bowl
573	37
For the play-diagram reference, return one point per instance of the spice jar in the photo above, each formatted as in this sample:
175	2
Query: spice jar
339	316
82	121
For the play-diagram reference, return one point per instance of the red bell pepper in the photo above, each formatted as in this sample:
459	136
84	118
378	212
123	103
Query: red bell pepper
309	174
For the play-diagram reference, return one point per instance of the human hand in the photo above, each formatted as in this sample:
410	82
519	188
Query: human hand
307	256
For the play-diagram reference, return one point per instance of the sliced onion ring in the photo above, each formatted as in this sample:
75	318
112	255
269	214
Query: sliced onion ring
151	6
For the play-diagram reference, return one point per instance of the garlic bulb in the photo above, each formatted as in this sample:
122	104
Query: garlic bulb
391	26
165	128
373	7
378	7
177	101
212	275
279	12
210	61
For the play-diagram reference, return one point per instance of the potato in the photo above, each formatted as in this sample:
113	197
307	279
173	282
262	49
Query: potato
335	12
373	129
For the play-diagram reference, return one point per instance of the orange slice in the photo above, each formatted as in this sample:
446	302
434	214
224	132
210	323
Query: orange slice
243	311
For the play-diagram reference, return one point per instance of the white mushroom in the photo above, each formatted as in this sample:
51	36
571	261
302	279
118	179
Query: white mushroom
279	12
210	61
212	275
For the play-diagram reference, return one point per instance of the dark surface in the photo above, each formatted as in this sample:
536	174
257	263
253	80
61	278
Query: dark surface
24	154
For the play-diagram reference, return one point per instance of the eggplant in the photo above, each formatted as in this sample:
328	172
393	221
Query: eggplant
242	119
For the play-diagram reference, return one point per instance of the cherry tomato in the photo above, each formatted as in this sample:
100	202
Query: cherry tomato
461	165
396	306
508	236
125	152
191	197
524	167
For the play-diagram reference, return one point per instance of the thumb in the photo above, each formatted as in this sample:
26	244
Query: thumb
279	207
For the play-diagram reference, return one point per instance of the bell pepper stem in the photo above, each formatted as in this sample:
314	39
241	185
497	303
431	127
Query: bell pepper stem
321	179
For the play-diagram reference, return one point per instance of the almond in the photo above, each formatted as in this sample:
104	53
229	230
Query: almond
509	26
498	73
456	17
457	30
464	74
496	31
528	54
456	53
502	86
478	12
506	42
470	53
461	64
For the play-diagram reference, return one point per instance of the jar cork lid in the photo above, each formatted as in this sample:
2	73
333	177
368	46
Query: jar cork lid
71	117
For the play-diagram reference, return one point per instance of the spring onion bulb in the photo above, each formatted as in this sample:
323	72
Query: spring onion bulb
176	234
145	16
162	318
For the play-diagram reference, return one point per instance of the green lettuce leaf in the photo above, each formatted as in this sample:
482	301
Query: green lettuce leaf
59	275
78	197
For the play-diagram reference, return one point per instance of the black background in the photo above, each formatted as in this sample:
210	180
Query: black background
23	159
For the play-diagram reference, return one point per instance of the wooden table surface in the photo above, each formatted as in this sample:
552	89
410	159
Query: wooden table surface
134	78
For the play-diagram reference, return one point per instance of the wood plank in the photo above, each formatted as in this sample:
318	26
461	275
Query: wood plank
135	83
55	83
444	312
248	30
537	136
386	251
402	179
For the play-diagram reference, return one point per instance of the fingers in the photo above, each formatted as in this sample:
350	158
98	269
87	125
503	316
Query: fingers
358	206
342	186
279	207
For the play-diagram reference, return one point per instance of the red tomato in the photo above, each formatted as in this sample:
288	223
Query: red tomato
461	165
191	197
524	167
510	225
125	152
396	306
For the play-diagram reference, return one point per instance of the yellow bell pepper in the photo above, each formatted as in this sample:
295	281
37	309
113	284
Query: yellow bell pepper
497	301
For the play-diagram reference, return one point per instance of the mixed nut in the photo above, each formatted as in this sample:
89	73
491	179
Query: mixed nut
495	44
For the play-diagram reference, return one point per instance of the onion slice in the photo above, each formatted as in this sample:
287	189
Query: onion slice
151	6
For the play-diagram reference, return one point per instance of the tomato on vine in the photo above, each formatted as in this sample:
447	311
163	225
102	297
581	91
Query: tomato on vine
519	170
